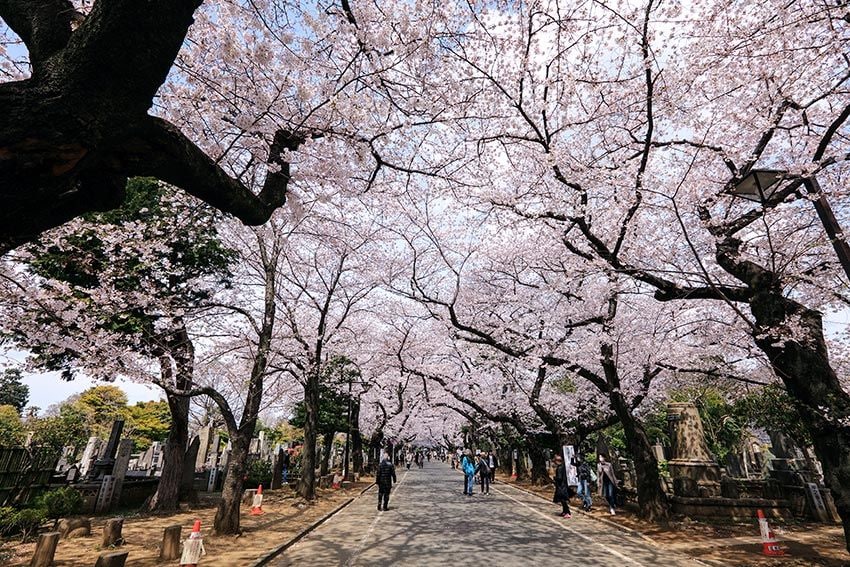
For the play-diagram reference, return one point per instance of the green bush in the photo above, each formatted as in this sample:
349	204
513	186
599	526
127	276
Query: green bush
6	523
61	502
25	522
29	520
259	472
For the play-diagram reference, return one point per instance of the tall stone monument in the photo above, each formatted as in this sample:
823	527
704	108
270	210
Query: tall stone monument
691	462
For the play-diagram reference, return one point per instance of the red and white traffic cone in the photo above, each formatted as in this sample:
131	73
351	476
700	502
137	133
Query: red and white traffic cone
193	548
257	505
770	546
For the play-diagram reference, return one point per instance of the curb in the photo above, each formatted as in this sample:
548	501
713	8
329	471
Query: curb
265	559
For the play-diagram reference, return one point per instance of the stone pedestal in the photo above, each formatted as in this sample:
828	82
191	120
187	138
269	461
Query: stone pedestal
690	456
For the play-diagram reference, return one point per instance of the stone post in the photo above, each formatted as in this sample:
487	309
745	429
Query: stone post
170	543
45	549
112	559
112	533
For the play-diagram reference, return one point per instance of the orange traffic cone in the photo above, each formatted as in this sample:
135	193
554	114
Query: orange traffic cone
193	548
770	546
257	505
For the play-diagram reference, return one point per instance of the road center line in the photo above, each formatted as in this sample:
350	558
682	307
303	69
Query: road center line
571	530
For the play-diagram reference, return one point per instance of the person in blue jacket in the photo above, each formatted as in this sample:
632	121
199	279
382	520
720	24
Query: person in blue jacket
468	466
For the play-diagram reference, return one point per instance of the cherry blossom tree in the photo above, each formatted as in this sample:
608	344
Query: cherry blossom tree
110	295
77	126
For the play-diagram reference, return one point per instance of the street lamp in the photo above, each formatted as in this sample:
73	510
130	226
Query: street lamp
760	184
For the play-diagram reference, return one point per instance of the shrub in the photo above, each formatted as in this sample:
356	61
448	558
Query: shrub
25	522
61	502
259	472
29	520
6	523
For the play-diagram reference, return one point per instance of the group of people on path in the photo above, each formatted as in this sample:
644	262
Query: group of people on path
606	478
483	465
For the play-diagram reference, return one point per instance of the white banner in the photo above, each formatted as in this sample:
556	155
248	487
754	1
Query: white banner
193	549
569	458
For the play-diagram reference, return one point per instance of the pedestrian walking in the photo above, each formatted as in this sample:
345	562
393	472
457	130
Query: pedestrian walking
607	483
408	459
468	467
285	468
384	478
483	472
584	478
492	463
562	487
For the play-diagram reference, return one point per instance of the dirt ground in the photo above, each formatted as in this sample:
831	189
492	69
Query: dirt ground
733	544
284	517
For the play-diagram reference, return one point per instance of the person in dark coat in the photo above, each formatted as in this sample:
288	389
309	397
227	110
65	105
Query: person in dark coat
384	478
562	487
584	478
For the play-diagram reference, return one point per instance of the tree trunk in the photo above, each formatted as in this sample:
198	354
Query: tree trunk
168	491
520	469
167	495
804	368
356	439
375	442
652	500
539	474
227	514
307	484
327	447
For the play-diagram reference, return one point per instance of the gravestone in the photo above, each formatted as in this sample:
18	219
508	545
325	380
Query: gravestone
187	481
119	469
690	455
254	447
734	467
204	438
105	494
156	458
103	466
277	469
89	456
815	501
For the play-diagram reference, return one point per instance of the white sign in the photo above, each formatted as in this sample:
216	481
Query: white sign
193	549
569	460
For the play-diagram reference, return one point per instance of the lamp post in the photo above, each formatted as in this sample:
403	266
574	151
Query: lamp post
759	184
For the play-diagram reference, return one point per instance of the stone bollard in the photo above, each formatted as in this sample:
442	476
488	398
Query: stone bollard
74	527
112	559
170	543
112	533
248	496
45	549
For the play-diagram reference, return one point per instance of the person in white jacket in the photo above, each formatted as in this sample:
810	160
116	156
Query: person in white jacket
607	482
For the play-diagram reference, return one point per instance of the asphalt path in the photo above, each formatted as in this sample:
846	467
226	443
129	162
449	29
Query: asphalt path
431	522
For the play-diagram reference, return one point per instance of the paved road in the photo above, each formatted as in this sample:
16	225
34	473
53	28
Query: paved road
430	522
